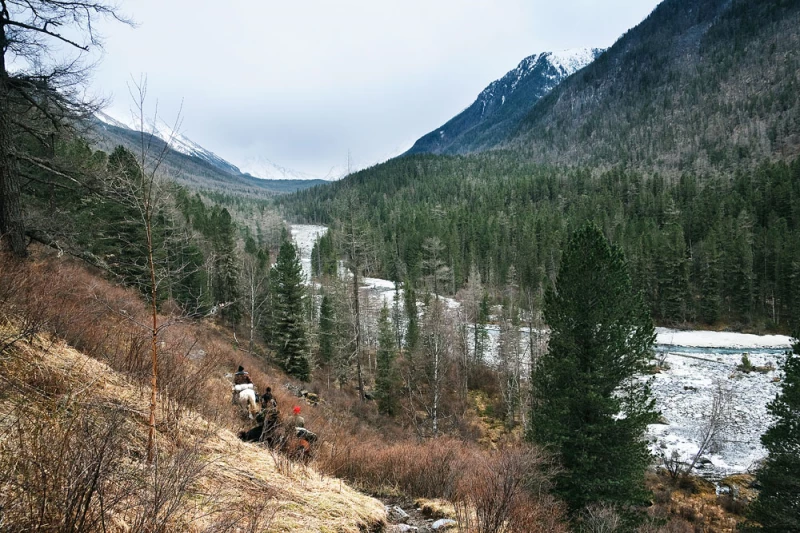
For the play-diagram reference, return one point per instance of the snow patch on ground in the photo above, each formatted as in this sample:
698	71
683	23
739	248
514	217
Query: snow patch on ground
720	339
697	362
304	236
684	394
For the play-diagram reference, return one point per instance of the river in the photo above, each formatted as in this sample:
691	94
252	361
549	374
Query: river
699	363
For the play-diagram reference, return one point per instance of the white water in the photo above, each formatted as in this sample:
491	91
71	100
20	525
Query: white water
697	360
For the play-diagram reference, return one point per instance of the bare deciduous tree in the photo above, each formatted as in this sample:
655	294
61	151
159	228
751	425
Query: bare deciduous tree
40	93
709	436
143	191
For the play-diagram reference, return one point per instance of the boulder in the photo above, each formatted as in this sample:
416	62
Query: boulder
401	528
444	524
396	514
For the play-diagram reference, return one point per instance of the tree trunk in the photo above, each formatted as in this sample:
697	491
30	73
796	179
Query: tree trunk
357	308
12	224
151	434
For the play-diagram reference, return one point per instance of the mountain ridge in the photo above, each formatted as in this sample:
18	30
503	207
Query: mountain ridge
705	85
504	102
191	164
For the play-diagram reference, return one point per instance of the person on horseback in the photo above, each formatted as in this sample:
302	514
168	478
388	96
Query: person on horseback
295	421
269	416
241	377
241	381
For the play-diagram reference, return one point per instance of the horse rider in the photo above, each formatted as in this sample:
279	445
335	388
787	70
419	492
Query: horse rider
241	377
269	415
241	381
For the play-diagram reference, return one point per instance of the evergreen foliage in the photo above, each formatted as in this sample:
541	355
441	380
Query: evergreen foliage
777	508
324	258
386	379
588	407
226	266
327	330
289	335
701	248
412	317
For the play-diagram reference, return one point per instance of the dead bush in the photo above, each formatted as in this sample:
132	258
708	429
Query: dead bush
600	518
158	502
506	491
60	469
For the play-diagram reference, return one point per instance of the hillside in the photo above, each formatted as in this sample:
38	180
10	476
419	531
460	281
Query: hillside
500	107
703	85
74	394
189	164
86	419
681	141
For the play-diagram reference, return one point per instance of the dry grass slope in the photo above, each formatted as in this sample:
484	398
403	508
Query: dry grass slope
74	401
230	484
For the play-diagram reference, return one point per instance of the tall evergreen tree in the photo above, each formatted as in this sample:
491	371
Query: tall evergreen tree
386	380
226	267
777	508
290	338
327	330
412	327
587	406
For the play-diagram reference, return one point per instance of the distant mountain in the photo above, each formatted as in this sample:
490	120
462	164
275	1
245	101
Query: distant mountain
701	85
500	107
261	167
192	165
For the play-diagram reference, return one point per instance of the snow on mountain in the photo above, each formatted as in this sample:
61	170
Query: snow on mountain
261	167
554	65
571	61
501	106
257	167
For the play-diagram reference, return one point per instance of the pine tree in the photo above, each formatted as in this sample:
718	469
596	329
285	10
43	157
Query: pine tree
777	508
386	380
290	338
588	408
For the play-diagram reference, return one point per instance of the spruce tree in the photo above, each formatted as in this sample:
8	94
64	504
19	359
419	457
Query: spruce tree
327	330
777	508
588	407
386	380
412	328
290	339
226	267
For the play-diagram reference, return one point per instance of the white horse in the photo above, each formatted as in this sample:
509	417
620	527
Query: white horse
246	398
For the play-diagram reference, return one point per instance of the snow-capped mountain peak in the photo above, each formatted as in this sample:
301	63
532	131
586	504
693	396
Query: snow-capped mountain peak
571	61
261	167
504	102
257	167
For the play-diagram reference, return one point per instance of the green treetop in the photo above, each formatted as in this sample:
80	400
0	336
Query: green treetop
290	338
588	406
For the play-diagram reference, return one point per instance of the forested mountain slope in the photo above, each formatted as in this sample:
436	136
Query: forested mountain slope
191	165
706	85
500	107
681	141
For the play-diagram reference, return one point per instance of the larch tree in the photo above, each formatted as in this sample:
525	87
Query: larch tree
40	93
588	407
777	508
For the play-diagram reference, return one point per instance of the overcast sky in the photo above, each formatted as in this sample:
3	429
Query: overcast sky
301	83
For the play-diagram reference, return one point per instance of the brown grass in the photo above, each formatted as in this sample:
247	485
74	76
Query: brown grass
73	426
79	356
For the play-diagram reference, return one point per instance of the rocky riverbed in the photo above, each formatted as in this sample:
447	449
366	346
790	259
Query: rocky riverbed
695	365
